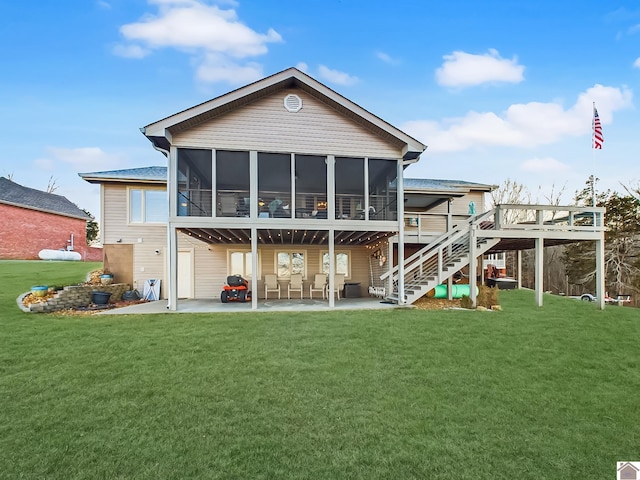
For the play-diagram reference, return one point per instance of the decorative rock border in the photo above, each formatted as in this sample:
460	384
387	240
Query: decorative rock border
73	296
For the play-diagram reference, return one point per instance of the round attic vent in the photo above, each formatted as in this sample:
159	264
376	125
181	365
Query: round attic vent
293	103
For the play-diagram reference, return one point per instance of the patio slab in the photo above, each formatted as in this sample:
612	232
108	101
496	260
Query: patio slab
284	305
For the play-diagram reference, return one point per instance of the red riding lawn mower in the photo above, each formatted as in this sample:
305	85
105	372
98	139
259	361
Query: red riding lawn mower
236	290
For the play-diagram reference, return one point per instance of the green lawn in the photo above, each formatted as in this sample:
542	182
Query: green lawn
527	393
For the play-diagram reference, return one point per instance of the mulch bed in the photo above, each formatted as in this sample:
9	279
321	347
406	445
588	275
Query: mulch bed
429	303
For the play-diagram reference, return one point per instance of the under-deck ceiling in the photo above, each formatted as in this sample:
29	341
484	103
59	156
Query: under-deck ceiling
284	237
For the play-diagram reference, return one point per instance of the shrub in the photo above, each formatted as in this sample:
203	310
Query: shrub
465	302
487	296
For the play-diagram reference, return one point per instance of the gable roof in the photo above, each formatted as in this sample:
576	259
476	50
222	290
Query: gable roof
14	194
159	133
155	174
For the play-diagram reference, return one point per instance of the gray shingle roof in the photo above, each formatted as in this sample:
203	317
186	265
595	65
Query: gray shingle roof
159	174
433	184
142	174
14	194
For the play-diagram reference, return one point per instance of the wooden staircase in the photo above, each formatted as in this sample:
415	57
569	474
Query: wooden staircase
442	258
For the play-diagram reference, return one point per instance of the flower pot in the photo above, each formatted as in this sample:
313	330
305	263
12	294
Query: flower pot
100	298
39	290
106	279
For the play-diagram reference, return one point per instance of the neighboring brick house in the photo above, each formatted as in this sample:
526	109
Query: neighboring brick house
33	220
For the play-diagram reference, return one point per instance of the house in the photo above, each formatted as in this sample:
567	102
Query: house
33	220
287	177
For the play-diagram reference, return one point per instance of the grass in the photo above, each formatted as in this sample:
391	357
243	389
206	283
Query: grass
529	393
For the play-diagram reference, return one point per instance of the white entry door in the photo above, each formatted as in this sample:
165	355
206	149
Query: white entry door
185	274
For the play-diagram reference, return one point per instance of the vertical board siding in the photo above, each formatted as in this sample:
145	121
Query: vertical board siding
266	126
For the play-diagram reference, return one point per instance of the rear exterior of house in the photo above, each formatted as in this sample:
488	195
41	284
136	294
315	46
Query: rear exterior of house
287	177
33	220
283	176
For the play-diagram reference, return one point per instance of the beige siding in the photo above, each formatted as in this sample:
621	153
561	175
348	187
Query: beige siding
266	126
145	239
114	221
211	267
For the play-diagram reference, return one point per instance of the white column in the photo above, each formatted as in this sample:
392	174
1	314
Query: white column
449	226
253	213
473	264
600	273
172	249
332	267
400	212
519	273
172	233
539	271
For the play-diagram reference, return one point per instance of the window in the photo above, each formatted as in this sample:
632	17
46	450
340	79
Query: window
349	188
232	184
343	265
274	185
240	264
289	263
194	182
148	206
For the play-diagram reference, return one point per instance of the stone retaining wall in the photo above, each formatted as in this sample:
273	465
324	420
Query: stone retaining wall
75	296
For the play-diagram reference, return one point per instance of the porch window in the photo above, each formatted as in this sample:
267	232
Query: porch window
343	263
311	186
240	264
232	184
147	205
349	188
194	183
383	204
274	185
289	262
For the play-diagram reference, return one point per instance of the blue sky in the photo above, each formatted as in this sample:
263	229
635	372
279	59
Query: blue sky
497	89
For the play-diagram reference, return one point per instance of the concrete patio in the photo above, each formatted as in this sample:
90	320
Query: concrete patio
284	305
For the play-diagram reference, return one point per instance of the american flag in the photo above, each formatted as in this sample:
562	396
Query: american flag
598	139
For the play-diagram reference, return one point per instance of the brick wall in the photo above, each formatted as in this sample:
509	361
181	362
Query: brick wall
24	232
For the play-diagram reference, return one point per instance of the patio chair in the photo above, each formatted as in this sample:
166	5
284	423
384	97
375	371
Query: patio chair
295	285
227	205
319	284
338	284
271	285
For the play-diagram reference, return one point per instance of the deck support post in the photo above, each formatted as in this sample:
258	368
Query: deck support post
400	214
539	242
600	293
519	268
254	267
473	265
172	250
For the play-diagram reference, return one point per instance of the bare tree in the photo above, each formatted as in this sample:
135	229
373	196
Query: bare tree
52	185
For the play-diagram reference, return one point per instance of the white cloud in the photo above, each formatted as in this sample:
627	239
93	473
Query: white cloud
461	69
386	58
543	165
44	164
84	157
130	51
522	125
201	30
335	76
104	5
637	63
303	67
218	68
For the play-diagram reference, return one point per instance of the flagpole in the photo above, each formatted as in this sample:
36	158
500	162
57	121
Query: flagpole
593	169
